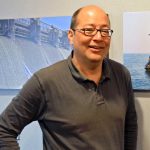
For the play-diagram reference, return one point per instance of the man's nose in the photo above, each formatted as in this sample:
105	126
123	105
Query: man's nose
98	35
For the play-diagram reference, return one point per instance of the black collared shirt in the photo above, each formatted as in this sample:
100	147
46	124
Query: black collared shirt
73	112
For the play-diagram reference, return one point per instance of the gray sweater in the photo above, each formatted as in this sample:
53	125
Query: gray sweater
73	112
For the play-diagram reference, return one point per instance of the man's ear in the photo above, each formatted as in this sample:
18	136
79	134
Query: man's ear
70	36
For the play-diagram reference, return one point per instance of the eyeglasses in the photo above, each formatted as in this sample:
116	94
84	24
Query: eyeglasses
93	31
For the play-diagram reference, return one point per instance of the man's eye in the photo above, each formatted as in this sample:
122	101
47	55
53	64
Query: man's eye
89	29
106	30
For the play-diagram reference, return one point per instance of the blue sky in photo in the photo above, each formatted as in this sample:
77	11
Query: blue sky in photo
61	22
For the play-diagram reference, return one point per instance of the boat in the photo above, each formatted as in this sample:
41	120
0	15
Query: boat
147	66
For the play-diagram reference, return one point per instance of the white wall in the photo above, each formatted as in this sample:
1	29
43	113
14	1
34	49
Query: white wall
143	107
42	8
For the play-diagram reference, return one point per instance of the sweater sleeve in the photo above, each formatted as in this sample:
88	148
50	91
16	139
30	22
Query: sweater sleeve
130	120
26	107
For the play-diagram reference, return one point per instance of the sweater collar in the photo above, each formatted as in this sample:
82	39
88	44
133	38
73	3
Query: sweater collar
76	74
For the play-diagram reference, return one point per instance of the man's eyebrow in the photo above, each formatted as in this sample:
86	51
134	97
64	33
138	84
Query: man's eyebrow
92	25
89	25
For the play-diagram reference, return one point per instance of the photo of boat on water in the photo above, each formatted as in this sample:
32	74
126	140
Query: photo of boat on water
136	47
147	66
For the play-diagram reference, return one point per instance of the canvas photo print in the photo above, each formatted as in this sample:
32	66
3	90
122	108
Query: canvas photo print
28	44
136	46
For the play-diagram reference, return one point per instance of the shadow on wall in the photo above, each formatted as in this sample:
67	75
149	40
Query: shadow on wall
140	126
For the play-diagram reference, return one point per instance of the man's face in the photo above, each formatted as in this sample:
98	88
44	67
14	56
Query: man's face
90	48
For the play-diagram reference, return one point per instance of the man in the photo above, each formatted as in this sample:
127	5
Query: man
82	103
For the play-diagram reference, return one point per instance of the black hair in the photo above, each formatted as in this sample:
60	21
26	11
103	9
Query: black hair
74	18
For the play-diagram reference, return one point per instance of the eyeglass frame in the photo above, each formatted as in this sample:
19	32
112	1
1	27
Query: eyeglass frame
83	30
